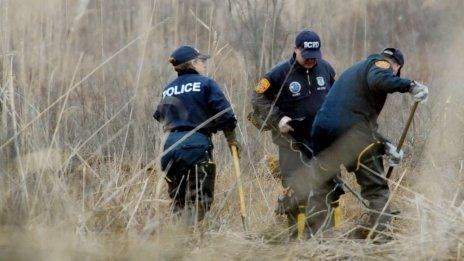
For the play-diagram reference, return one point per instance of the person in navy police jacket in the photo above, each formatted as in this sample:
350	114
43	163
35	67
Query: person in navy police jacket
192	108
345	131
286	101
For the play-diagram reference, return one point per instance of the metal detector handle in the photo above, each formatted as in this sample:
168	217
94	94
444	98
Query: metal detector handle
241	195
404	134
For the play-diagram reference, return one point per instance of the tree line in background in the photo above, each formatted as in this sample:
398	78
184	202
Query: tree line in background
86	74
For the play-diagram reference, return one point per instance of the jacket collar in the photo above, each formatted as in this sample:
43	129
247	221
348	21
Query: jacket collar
297	66
187	71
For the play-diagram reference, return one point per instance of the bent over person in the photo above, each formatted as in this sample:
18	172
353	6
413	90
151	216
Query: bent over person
192	108
345	132
286	101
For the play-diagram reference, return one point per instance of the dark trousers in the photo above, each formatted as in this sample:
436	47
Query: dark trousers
361	154
297	177
192	187
294	168
190	171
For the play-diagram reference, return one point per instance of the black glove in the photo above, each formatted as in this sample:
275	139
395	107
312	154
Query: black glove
231	138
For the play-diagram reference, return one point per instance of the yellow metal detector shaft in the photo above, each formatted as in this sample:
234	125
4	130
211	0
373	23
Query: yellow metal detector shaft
241	195
301	222
337	214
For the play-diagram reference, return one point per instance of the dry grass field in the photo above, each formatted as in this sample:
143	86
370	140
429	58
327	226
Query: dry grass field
79	149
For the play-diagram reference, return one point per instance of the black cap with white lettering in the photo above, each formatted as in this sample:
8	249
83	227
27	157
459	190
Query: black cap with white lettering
309	44
184	54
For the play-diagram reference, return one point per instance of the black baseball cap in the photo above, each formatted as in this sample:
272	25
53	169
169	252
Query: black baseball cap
310	44
185	53
394	54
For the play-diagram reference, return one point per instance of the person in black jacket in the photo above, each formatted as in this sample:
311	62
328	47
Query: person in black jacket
192	108
345	130
286	101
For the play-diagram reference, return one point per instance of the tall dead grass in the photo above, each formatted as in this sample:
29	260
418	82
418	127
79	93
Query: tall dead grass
79	151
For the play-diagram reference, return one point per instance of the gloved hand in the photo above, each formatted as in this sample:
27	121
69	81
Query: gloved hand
237	145
419	91
282	205
285	202
231	138
283	124
394	157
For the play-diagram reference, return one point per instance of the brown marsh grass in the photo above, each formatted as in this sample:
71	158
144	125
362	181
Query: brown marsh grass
79	150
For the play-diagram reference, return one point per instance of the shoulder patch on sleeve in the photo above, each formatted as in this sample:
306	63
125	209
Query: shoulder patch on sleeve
383	64
263	85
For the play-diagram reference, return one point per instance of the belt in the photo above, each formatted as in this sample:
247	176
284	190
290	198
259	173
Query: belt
187	128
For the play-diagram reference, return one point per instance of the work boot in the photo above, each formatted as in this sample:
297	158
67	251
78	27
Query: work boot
291	219
381	238
284	208
359	232
377	236
195	213
377	221
176	208
288	206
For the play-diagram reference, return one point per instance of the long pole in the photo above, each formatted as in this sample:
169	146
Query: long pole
241	195
403	135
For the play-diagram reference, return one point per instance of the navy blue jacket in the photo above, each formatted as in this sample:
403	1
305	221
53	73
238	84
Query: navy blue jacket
356	99
296	91
190	100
